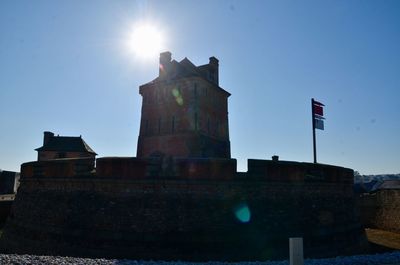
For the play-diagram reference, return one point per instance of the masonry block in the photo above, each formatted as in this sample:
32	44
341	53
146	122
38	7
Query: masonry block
58	168
121	167
291	171
206	168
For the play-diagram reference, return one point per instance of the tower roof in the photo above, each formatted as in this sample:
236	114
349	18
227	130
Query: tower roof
185	68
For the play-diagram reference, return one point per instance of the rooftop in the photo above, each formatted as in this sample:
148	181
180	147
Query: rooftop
66	144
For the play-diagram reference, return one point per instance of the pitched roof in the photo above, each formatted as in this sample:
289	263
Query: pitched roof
66	144
184	68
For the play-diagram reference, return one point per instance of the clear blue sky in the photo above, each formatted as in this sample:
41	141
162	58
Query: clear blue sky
63	69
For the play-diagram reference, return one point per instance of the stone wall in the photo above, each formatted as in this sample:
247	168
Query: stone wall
381	210
50	155
227	217
184	116
9	182
61	168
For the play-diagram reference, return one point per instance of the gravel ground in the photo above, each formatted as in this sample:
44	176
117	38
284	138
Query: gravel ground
378	259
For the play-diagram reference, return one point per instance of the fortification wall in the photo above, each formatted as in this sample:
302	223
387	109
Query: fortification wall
381	210
227	217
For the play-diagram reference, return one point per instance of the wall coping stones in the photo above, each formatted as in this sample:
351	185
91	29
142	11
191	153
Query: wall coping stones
65	167
186	169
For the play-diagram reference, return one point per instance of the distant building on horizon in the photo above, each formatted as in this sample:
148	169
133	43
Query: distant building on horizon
184	112
56	147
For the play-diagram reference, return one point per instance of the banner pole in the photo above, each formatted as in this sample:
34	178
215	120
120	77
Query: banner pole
313	130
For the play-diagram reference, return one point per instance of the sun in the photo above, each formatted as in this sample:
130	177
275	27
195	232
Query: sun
146	40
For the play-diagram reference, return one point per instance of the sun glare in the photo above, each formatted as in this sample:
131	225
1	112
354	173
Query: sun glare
146	41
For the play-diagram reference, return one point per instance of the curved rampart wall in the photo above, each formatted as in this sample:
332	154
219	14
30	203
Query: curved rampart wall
231	218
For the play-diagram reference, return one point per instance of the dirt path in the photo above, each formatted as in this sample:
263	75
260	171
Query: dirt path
383	238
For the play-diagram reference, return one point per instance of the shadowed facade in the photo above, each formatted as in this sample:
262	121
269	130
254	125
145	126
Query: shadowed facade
184	112
56	147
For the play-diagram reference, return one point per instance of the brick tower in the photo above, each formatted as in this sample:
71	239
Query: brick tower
184	112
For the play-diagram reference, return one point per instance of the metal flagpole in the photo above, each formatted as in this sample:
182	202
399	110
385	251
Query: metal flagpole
313	130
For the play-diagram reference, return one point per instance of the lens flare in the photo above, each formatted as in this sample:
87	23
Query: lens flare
178	97
242	213
161	67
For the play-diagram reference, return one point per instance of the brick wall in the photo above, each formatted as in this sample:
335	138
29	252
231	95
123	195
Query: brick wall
381	210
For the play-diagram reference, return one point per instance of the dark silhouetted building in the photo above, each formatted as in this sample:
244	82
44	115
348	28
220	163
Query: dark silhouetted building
55	147
184	112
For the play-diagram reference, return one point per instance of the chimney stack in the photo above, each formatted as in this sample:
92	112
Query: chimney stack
213	68
275	158
165	60
47	137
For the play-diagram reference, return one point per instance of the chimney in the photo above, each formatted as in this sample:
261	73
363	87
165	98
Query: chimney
275	158
165	60
47	137
213	70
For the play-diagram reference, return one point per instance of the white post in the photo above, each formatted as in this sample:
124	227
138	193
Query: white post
296	251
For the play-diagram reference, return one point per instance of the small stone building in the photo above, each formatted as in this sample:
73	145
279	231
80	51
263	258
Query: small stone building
55	147
184	112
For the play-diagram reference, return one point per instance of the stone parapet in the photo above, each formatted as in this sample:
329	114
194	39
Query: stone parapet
187	168
121	167
290	171
206	168
381	209
59	168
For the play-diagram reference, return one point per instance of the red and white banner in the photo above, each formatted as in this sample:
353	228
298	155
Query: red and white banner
318	110
318	113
